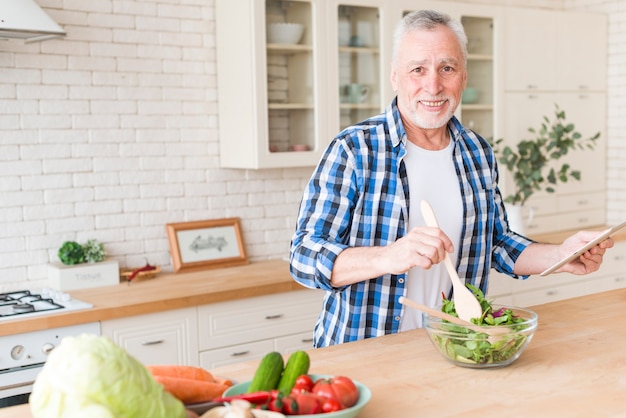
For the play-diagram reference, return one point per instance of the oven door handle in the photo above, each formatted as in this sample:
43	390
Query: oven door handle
17	385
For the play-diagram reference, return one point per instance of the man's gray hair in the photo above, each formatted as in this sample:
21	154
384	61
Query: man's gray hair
428	20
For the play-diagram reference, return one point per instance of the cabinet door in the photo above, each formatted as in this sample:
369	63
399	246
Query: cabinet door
357	65
530	49
218	357
587	111
582	51
168	337
256	319
269	87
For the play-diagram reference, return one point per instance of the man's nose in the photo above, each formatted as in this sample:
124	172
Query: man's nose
433	82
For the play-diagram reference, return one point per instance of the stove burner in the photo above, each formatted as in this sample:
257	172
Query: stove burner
23	308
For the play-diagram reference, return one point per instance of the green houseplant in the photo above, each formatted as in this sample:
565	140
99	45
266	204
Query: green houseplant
531	161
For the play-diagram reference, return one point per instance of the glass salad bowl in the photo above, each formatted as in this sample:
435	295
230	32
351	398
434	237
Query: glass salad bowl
498	346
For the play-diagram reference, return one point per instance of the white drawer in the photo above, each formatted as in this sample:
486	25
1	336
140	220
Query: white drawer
167	337
504	300
604	284
541	296
254	319
583	201
542	224
541	206
581	219
499	284
291	343
222	356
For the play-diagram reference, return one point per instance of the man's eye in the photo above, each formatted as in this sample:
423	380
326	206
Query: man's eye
418	70
448	71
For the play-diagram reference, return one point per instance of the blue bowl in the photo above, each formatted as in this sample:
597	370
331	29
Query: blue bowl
364	397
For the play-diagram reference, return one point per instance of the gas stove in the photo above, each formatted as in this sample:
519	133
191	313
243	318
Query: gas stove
27	303
23	355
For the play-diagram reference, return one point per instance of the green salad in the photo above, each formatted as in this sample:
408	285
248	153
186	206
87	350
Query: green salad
469	346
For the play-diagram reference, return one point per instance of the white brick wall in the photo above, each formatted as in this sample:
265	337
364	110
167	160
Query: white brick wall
111	133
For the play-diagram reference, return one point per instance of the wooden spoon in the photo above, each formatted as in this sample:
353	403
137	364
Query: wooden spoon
466	304
491	330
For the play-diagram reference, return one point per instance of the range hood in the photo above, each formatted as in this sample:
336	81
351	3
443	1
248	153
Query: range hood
24	19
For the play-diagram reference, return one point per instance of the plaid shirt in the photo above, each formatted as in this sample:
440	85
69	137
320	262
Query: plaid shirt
358	196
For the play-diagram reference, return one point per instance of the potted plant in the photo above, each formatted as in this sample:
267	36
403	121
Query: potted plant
82	266
532	162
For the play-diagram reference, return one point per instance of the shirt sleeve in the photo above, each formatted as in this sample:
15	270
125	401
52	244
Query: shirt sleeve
323	223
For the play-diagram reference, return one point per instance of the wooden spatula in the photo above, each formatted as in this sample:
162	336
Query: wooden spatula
466	304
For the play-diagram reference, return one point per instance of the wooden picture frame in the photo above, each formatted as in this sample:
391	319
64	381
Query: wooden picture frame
200	245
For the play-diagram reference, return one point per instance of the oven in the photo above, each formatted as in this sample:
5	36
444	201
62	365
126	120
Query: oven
23	355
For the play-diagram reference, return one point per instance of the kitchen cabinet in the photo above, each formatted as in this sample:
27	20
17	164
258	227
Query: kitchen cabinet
537	79
356	63
281	104
168	337
573	53
231	332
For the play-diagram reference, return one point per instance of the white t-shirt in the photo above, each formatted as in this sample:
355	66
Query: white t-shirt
432	177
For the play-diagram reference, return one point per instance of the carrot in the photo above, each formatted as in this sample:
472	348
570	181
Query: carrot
187	372
191	390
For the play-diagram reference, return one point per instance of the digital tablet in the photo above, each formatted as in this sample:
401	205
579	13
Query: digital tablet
585	248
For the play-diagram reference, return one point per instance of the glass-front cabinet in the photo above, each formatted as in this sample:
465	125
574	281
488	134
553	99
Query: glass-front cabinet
359	63
292	73
291	81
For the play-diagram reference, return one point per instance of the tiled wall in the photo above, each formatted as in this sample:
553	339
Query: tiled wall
111	133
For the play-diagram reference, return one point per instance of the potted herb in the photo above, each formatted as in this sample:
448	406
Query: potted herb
532	161
82	266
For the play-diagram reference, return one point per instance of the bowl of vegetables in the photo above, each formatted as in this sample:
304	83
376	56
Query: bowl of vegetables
362	398
500	337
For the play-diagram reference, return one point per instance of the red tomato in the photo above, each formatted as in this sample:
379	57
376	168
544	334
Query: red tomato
308	403
331	405
303	383
340	388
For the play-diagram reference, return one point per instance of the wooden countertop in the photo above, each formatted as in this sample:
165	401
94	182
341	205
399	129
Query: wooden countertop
573	367
173	291
164	292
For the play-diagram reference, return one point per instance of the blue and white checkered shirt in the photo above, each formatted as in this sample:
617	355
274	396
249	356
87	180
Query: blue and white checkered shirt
358	196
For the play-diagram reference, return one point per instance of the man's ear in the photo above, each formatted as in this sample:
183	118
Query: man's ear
392	78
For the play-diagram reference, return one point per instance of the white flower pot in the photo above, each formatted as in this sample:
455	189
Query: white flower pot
84	275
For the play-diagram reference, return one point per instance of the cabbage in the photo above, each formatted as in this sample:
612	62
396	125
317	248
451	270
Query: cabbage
91	377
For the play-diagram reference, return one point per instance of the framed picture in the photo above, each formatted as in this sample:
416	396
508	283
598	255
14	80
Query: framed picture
207	244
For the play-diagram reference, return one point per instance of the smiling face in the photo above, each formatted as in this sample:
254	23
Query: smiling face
429	76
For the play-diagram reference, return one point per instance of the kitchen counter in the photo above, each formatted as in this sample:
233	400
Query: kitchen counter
179	290
573	367
164	292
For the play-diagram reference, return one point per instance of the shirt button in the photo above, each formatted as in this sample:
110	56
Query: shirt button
397	318
400	280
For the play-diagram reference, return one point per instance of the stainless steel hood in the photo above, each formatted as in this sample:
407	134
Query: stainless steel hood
24	19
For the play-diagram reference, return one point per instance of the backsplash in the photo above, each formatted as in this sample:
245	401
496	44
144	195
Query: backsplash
111	133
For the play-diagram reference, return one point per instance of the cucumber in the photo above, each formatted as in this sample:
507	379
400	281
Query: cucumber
268	373
297	365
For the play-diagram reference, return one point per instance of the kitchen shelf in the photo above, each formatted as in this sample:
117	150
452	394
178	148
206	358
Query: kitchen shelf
288	48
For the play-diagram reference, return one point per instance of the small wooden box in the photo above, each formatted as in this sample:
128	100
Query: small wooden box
83	276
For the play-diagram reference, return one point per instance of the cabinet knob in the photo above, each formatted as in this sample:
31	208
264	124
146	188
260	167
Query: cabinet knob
240	353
